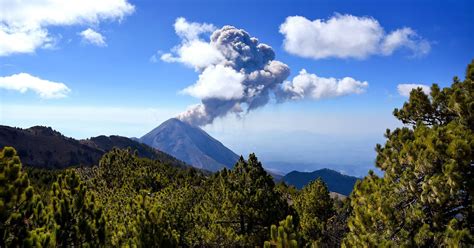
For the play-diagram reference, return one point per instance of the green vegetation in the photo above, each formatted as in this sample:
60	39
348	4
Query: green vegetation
314	207
283	236
426	195
424	199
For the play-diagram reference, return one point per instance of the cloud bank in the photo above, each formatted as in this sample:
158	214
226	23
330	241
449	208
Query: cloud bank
347	36
238	73
93	37
24	82
405	89
24	24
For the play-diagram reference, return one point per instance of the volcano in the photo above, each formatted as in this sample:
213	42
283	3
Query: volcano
190	144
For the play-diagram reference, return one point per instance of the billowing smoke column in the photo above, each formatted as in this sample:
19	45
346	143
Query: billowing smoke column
239	74
242	77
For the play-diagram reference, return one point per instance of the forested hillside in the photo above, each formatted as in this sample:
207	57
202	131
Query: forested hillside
46	148
423	199
43	147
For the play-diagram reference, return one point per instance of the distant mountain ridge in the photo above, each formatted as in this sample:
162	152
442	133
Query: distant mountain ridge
190	144
335	181
44	147
107	143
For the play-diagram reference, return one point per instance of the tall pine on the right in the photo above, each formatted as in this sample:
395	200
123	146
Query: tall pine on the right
425	197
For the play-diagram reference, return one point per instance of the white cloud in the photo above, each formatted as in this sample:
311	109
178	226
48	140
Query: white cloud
346	36
93	37
193	51
24	82
306	85
191	30
22	42
405	89
167	57
24	24
405	37
218	82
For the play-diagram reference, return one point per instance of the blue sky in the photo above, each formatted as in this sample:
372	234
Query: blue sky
116	88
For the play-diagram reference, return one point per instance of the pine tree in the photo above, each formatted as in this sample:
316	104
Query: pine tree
336	226
254	195
21	212
214	216
239	206
314	207
79	217
283	236
178	202
152	226
425	197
